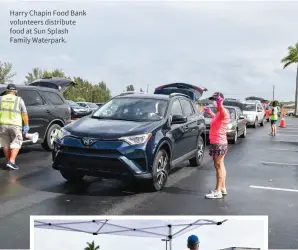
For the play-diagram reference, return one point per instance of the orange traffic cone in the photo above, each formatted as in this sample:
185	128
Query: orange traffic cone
282	123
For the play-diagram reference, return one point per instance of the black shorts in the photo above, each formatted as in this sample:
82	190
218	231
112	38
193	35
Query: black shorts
218	150
273	122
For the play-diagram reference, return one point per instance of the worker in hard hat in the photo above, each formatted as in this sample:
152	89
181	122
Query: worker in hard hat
12	114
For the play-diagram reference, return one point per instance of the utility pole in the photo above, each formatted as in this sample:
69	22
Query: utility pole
147	88
273	92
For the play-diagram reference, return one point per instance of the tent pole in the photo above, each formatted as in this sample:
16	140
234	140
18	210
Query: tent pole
170	237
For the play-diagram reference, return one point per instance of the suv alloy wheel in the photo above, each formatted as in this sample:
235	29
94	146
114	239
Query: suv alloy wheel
50	136
160	171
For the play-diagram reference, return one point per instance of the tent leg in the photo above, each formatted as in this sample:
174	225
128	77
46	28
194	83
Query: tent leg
170	237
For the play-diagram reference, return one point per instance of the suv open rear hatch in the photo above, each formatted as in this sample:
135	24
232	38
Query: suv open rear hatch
193	92
61	84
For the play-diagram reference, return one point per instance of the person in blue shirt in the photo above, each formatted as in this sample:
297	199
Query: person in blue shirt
193	242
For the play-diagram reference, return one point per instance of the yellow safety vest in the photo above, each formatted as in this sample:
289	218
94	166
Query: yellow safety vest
10	113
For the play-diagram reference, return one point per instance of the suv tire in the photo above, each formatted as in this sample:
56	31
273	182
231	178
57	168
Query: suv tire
244	133
48	144
235	139
160	171
198	159
263	122
256	123
72	176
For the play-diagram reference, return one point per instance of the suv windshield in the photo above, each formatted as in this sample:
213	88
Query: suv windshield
249	107
133	109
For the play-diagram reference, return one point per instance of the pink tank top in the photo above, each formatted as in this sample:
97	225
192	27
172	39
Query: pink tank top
219	126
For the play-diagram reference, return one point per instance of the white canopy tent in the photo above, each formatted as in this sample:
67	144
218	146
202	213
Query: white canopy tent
166	230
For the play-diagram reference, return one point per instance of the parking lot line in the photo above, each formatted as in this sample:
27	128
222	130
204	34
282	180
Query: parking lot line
285	134
278	163
276	189
284	149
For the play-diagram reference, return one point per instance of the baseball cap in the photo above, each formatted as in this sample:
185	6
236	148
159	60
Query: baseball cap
213	97
193	239
11	87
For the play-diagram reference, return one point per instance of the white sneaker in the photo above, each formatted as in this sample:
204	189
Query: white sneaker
224	191
214	195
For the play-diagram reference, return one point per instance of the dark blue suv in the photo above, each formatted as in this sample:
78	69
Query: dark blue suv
139	136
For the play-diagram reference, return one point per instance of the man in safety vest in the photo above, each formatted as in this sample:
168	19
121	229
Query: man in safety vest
274	118
193	242
12	114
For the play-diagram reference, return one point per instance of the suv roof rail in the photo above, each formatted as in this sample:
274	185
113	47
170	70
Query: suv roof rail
179	94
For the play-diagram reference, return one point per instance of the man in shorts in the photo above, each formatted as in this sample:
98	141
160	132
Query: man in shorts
12	114
273	118
193	242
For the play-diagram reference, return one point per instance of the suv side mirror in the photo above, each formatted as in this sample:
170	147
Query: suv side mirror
178	119
241	117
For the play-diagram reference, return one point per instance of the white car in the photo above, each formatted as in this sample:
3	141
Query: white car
254	114
290	112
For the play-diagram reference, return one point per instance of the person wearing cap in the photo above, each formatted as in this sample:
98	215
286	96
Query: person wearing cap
12	114
273	118
218	143
193	242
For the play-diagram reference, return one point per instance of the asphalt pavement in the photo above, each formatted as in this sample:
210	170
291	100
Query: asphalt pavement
262	180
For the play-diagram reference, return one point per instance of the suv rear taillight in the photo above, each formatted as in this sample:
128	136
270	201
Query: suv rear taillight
69	110
159	87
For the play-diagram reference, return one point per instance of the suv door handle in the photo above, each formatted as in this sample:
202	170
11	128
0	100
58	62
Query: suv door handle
47	111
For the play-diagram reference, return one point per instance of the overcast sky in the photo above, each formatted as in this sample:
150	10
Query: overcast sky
227	46
233	233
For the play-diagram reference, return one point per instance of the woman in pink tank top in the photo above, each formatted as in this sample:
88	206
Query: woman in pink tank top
218	143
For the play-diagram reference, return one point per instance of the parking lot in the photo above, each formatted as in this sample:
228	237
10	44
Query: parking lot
262	180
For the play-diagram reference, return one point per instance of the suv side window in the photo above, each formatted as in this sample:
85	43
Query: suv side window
259	108
233	114
54	98
176	108
31	97
187	108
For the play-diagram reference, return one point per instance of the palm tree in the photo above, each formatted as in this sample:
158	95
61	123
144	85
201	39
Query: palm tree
92	246
291	58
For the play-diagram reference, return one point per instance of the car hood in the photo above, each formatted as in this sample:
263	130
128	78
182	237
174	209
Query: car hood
249	112
109	129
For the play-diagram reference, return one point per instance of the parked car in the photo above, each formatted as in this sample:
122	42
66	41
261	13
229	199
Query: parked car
236	127
48	111
290	112
254	114
89	105
192	91
137	136
77	111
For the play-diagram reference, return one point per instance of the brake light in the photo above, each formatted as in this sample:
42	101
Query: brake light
200	89
159	87
69	110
